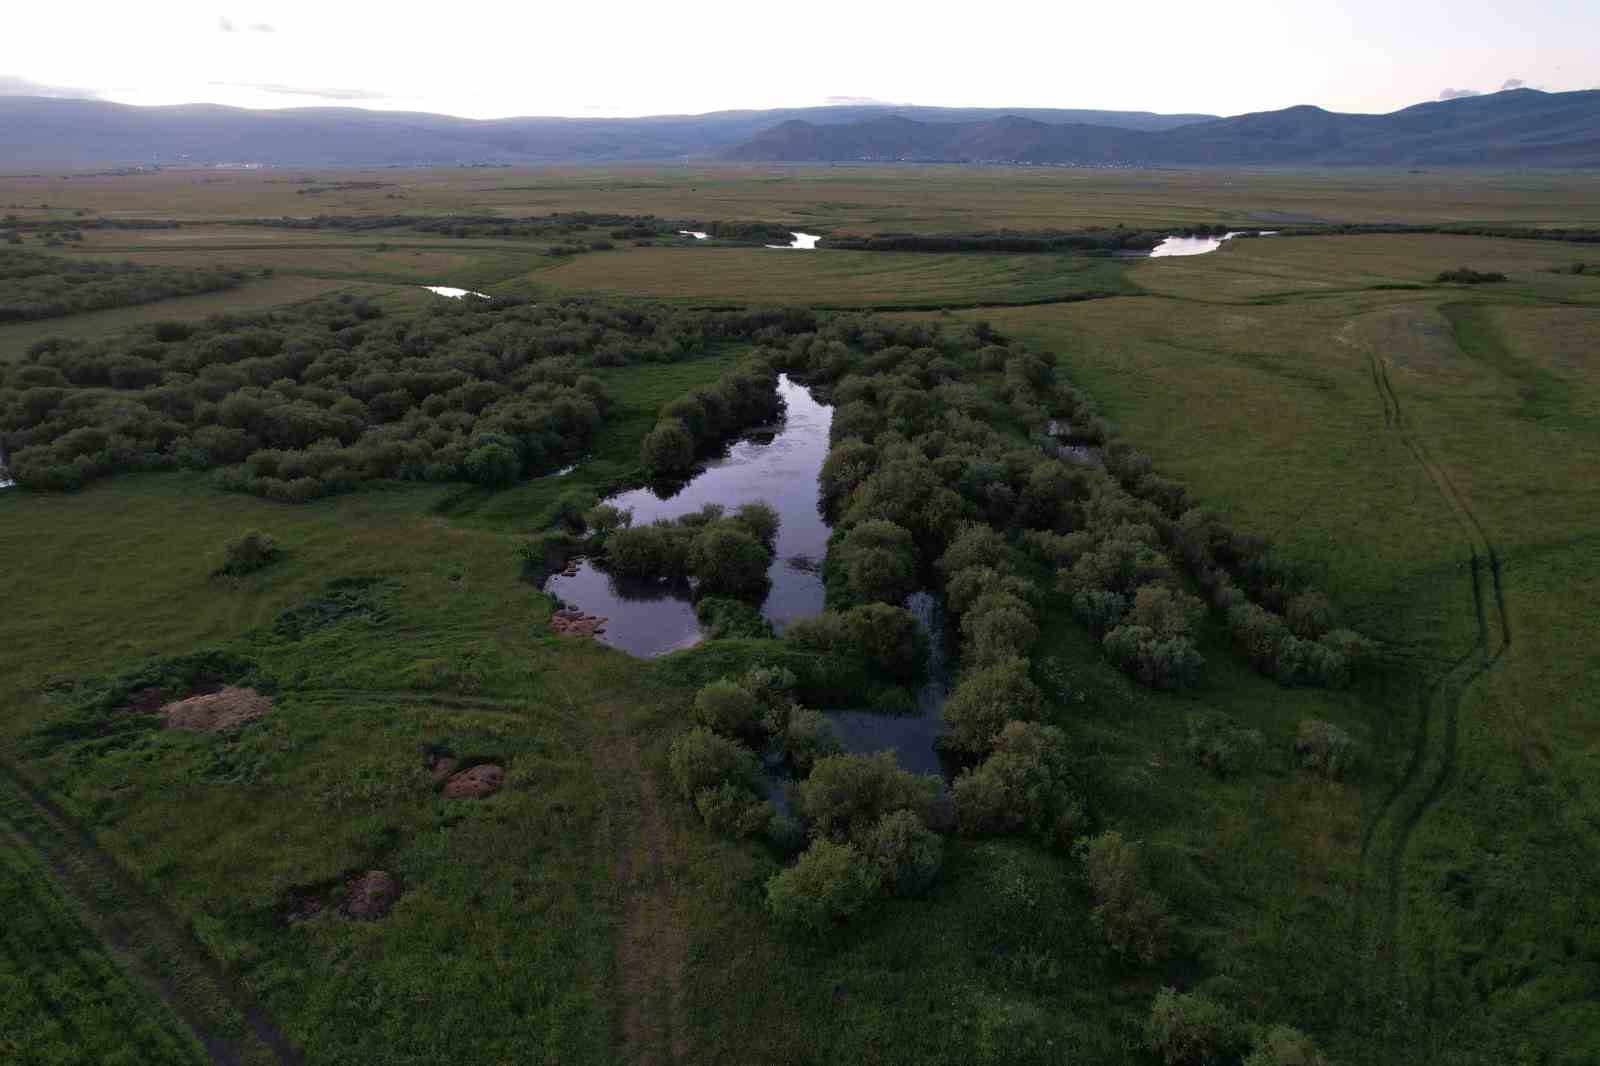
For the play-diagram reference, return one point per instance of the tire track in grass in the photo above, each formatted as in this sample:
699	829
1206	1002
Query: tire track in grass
1440	697
149	943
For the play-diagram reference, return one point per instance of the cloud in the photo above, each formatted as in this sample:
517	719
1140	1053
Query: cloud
10	85
856	101
299	90
262	27
1513	83
224	23
1457	94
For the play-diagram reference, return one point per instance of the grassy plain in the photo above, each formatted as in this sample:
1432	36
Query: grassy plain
1385	431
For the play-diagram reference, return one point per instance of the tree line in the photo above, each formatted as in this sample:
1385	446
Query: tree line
34	285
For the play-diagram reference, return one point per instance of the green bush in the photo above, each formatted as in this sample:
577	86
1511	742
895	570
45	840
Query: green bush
492	464
1027	783
1131	919
668	449
829	884
997	629
606	518
889	638
807	737
880	561
727	560
907	853
1191	1029
846	795
1284	1045
1324	748
731	811
1171	663
726	708
701	759
729	619
1310	615
248	552
985	700
1216	744
761	520
658	550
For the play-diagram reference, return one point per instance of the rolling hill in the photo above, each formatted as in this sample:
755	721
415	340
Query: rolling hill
45	131
1520	127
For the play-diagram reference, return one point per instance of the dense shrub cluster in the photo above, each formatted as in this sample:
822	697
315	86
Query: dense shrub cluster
1467	229
697	421
1468	276
305	401
34	285
886	639
1193	1029
557	224
1324	748
727	554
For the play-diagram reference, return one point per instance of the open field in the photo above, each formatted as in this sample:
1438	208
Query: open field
829	278
1427	453
923	199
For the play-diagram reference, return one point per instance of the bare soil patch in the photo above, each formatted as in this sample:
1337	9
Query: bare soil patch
370	895
216	711
475	782
569	621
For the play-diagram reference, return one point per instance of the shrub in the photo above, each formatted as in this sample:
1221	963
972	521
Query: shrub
572	508
1171	663
906	852
1284	1045
997	632
1468	276
827	632
889	638
701	759
1323	748
1216	744
1166	612
1131	919
985	700
880	561
728	560
846	795
975	545
606	518
731	811
492	464
248	552
829	884
730	710
1191	1029
785	833
807	737
761	520
667	449
1027	783
773	688
655	551
849	464
1309	615
726	619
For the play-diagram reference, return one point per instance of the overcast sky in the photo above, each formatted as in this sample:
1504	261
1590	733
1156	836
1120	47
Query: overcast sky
488	60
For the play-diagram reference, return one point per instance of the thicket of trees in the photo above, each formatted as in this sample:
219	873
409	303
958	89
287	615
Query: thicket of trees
555	224
698	421
727	554
34	285
302	402
1468	276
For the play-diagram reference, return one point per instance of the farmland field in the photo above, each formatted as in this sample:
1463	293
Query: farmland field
1424	453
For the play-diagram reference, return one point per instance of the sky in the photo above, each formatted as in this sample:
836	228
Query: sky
609	58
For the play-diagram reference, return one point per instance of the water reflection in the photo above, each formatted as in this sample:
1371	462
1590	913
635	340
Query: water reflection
1189	245
452	292
777	465
801	240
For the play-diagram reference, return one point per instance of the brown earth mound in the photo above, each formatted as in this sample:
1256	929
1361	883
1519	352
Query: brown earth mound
475	781
572	622
370	895
216	711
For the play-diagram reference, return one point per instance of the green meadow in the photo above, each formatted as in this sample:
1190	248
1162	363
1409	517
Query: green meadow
1425	452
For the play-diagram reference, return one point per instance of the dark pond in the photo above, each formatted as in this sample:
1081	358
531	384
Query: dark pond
777	465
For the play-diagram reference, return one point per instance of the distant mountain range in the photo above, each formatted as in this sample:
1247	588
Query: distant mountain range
44	131
1521	127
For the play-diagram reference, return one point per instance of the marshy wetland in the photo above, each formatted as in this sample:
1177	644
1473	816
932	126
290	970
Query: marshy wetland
1164	483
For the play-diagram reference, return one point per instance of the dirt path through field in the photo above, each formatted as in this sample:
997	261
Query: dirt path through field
143	937
652	944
